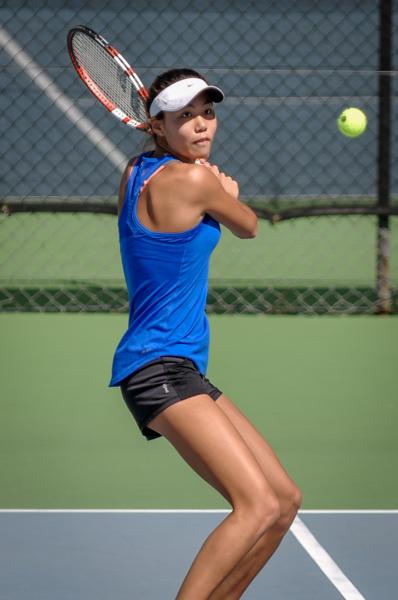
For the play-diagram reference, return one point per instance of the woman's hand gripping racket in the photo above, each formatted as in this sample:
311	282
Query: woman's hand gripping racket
109	77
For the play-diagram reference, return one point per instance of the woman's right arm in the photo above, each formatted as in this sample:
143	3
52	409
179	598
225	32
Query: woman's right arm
219	197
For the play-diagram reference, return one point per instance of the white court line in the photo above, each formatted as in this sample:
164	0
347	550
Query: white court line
189	510
55	94
115	510
324	561
350	511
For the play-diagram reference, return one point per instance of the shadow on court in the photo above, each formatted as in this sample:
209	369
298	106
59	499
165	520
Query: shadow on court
98	555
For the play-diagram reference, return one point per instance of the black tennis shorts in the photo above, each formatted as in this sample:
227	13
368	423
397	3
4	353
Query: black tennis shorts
159	384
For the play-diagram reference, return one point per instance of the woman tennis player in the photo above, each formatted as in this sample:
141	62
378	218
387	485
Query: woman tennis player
171	203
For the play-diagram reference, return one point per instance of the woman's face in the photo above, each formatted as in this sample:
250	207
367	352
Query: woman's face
188	133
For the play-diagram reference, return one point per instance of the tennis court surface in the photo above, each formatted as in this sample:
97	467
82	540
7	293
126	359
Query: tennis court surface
98	555
76	473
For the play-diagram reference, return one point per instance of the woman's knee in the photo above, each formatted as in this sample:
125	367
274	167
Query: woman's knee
289	505
260	508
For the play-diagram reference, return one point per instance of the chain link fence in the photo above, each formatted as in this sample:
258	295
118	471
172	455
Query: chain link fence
288	69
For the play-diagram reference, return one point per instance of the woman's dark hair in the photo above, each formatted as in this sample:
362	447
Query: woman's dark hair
165	79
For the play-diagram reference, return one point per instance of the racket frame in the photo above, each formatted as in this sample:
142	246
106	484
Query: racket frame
95	89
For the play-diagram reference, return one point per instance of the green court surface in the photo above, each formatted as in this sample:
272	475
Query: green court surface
323	391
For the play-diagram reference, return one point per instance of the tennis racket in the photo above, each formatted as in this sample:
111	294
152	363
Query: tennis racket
109	77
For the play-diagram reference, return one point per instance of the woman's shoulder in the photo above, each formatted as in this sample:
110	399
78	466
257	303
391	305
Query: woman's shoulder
130	164
179	180
124	180
189	176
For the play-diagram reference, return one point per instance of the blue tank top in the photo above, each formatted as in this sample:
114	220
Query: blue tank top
166	276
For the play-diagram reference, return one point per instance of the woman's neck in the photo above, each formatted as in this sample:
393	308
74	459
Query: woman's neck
164	150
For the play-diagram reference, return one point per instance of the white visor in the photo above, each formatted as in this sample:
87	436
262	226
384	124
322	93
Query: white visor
179	94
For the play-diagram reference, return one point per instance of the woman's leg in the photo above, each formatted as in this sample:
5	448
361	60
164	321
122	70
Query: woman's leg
285	489
206	438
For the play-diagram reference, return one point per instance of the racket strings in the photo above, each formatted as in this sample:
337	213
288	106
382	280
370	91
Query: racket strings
110	78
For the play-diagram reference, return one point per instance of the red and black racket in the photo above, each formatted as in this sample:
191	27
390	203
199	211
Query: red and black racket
109	77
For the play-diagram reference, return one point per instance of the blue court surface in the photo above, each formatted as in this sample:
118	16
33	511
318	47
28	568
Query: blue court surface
125	555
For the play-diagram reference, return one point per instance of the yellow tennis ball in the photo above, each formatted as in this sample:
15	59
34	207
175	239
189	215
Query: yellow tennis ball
352	122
